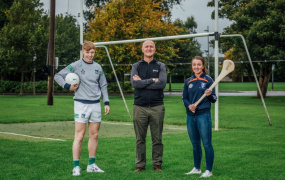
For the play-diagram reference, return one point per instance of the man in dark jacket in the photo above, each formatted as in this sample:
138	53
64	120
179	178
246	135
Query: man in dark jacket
149	78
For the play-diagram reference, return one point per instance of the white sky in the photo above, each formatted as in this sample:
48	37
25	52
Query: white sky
196	8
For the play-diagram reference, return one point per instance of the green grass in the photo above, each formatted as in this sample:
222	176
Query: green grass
246	147
226	86
35	109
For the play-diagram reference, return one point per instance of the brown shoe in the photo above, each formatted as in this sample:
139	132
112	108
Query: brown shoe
139	169
157	168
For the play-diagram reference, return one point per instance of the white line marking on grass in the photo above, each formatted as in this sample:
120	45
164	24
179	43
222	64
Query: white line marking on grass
53	139
117	123
127	124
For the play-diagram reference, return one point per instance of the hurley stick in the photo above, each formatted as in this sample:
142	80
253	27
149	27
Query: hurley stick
228	67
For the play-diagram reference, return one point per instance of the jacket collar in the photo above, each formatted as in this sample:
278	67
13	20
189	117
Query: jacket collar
143	61
201	76
87	62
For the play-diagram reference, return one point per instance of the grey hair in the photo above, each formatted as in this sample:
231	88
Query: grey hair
146	41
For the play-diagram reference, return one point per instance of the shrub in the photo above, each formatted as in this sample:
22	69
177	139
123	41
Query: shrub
126	87
42	87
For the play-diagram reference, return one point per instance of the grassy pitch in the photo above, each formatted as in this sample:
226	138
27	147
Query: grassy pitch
246	147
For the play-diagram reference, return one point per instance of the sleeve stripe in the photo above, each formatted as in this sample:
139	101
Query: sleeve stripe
70	67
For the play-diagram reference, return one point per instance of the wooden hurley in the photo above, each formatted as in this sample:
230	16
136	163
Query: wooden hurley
228	67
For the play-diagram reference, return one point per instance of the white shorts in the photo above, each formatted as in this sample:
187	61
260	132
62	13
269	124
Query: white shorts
87	112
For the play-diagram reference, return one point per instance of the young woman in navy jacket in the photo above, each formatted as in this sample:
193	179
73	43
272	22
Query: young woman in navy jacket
199	121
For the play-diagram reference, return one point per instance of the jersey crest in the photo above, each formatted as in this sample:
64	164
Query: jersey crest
203	85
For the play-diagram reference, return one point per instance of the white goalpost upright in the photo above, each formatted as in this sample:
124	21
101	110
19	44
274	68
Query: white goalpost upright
216	65
81	25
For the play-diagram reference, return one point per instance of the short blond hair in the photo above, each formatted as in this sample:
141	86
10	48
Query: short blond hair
88	45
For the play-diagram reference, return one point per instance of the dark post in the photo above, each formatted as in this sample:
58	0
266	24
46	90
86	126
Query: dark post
273	68
51	52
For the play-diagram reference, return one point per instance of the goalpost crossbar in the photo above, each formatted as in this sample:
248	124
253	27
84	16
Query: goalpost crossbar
185	36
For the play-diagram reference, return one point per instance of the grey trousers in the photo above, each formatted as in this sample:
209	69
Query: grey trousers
142	117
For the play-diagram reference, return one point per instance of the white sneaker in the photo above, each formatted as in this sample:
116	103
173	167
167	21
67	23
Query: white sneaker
206	174
94	168
76	171
194	171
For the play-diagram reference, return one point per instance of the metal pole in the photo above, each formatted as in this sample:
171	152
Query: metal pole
122	94
208	53
216	66
207	30
51	52
155	39
81	25
254	74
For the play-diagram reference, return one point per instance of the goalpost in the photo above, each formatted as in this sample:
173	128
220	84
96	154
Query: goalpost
215	34
253	71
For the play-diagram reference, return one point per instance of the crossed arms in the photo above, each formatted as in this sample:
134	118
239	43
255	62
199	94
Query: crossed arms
139	83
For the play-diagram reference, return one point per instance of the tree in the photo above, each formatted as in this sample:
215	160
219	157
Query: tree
18	36
262	24
67	39
131	19
187	49
4	7
166	6
67	47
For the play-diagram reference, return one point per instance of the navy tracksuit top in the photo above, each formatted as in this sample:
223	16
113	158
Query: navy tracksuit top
193	89
147	92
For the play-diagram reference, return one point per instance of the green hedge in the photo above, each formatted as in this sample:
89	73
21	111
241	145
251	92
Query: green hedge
126	87
42	86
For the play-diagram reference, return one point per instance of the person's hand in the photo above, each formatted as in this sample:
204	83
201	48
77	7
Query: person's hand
208	92
136	77
107	109
192	107
73	87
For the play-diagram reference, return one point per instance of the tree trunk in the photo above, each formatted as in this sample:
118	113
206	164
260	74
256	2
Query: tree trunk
265	73
249	73
22	82
122	74
170	89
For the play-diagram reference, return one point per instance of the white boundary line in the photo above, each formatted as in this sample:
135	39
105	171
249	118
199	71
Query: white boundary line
32	136
127	124
53	139
119	123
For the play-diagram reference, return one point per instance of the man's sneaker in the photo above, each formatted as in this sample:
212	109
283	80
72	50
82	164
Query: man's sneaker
94	168
206	174
76	171
194	171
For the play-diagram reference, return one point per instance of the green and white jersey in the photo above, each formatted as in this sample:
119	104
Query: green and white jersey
92	84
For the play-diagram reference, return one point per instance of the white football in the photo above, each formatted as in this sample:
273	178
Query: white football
72	78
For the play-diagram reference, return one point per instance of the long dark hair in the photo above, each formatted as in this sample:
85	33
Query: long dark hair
205	70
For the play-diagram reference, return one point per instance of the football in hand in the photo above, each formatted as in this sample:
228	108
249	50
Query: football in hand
72	78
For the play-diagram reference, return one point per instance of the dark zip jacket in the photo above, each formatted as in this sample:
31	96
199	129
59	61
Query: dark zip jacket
193	89
147	92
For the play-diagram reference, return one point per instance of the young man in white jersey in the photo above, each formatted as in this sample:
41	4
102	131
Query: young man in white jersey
87	108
